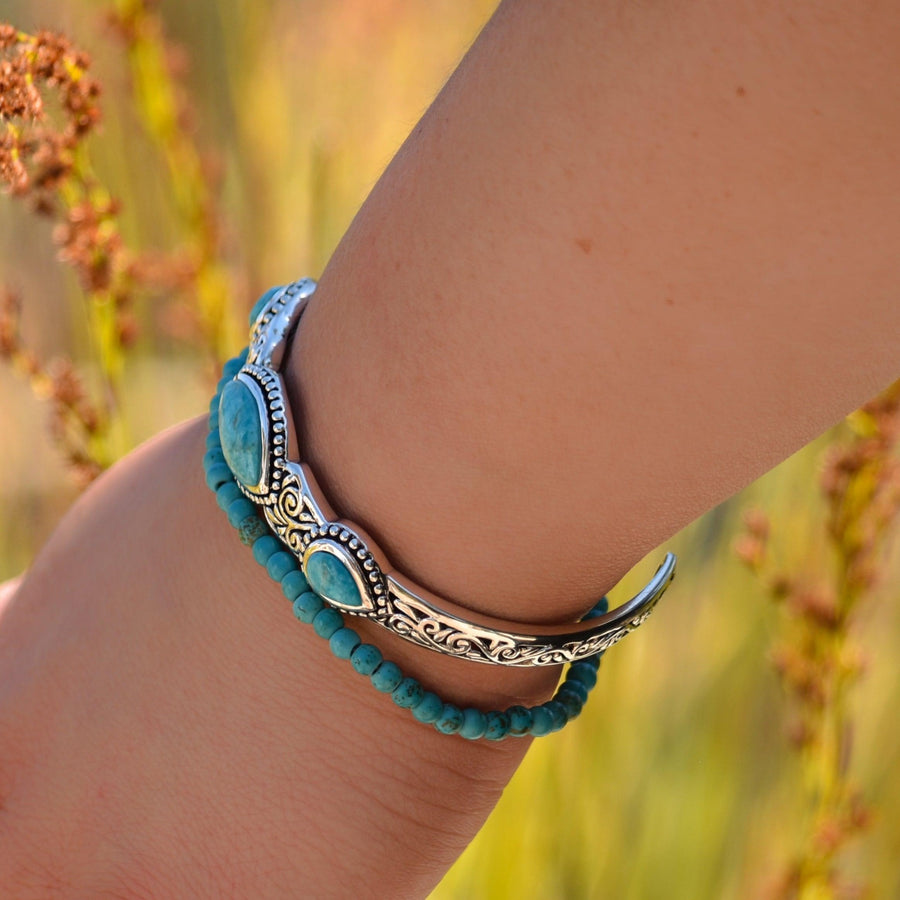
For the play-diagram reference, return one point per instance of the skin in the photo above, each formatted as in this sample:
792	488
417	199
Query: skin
633	256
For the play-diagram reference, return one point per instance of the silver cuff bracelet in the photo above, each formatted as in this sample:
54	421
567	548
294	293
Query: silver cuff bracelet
342	564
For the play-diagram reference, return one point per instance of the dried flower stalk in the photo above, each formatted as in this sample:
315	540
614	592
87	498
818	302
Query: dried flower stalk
49	105
815	656
156	66
76	422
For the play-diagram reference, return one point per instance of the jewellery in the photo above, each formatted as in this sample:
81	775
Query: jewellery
366	659
341	563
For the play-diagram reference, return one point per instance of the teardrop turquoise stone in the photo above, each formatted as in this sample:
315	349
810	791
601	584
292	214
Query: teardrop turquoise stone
240	431
329	577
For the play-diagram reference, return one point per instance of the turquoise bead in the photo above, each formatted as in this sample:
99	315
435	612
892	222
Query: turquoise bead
231	368
429	708
227	494
366	658
570	701
293	584
265	547
343	642
496	726
519	720
327	622
251	528
451	719
212	439
329	577
280	564
585	673
558	712
573	686
239	509
386	677
241	431
307	606
408	693
601	608
217	475
541	721
473	724
260	304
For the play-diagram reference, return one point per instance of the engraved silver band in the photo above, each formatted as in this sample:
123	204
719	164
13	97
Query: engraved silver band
295	509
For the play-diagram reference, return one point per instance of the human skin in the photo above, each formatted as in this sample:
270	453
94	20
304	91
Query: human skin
634	255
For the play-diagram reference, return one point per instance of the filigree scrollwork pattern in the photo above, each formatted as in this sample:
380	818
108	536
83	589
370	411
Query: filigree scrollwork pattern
420	623
292	513
423	625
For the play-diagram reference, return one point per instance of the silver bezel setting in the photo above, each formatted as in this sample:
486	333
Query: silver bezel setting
343	544
267	389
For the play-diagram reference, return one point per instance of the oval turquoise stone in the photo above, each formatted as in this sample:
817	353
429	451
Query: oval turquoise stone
240	431
329	577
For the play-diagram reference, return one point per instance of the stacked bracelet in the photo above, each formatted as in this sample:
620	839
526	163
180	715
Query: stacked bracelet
343	564
327	567
384	675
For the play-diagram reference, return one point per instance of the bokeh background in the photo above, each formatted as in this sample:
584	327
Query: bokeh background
679	780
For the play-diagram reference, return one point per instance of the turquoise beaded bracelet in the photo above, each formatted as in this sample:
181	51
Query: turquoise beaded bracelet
366	659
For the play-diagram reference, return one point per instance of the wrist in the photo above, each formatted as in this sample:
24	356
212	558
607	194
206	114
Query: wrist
454	506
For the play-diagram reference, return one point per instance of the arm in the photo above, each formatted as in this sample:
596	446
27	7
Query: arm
632	257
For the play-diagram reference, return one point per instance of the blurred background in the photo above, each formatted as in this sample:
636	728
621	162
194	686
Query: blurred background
692	772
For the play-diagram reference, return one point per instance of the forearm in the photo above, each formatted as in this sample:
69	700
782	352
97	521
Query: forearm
167	728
